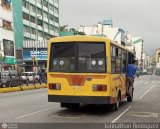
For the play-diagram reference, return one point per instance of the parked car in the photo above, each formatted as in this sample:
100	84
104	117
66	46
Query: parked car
29	77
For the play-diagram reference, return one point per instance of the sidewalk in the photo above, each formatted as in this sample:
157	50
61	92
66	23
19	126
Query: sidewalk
22	88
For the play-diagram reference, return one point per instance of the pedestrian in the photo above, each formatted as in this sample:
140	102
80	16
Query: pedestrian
131	71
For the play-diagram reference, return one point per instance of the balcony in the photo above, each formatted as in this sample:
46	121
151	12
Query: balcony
51	2
56	14
56	4
6	34
39	5
40	28
26	34
33	2
51	12
46	30
45	8
52	22
33	13
7	15
26	22
33	25
33	36
56	24
40	38
25	10
45	19
52	32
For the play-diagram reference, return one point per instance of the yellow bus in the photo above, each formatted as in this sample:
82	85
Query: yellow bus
87	70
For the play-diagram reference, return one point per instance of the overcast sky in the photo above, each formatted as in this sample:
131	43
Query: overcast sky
138	17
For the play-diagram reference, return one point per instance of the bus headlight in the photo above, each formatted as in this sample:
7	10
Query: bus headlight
99	87
55	86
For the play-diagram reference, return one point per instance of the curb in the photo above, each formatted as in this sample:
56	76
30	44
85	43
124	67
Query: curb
22	88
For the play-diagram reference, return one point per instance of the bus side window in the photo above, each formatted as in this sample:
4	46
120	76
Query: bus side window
113	59
124	61
118	60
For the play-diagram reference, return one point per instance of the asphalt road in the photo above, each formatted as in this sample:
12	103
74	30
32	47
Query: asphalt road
33	107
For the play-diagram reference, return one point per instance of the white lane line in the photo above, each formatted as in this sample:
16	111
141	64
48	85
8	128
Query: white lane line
41	96
117	118
147	91
35	113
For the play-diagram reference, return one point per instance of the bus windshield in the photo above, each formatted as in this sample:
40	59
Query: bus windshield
81	57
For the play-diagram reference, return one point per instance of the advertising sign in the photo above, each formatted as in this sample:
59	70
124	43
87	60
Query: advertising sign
39	54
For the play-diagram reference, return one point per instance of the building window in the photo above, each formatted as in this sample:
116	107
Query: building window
45	3
51	27
56	19
39	11
26	29
56	30
39	1
26	16
7	25
51	17
45	15
45	25
5	5
55	10
33	8
25	4
33	19
40	23
51	7
40	33
8	47
56	1
33	31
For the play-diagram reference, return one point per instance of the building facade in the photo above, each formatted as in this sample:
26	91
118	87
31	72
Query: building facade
135	44
105	28
7	44
34	21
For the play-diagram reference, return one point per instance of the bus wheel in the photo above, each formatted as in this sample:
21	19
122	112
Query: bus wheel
115	106
130	97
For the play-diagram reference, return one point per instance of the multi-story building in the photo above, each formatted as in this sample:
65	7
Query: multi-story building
7	44
105	28
135	44
34	20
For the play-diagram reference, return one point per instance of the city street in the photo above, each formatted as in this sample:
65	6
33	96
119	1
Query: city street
33	107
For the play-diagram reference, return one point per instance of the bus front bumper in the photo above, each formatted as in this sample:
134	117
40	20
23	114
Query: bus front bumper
81	99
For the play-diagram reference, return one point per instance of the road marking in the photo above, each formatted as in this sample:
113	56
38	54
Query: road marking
147	92
117	118
35	113
41	96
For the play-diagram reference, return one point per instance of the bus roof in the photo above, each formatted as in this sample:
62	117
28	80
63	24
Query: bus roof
86	38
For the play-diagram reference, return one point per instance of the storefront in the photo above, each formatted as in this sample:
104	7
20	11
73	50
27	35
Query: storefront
34	58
